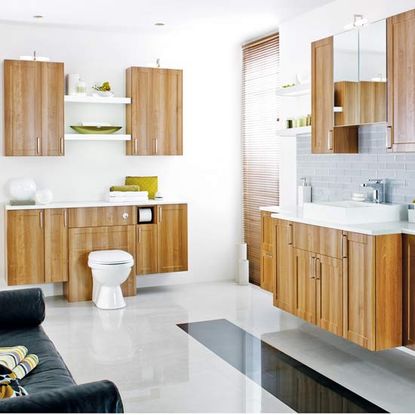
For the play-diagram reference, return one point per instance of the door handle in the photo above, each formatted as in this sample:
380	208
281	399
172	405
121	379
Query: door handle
160	214
156	144
344	247
389	137
61	150
290	234
65	218
135	146
318	268
38	145
330	140
41	219
313	268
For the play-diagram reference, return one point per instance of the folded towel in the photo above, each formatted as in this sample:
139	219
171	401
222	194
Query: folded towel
128	194
125	188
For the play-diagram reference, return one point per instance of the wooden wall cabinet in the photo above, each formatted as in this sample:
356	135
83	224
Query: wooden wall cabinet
326	138
346	283
268	246
155	116
36	246
401	82
33	108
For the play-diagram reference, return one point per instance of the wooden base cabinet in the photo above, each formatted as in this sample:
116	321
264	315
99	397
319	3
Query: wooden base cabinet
147	249
37	243
268	245
408	248
346	283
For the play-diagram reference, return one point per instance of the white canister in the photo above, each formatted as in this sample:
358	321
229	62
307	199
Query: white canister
243	272
411	213
72	80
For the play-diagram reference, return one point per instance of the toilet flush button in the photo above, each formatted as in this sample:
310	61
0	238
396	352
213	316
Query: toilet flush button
125	215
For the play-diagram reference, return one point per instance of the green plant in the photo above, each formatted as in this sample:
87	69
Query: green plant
105	87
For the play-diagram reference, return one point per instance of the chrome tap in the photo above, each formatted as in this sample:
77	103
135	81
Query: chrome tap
378	186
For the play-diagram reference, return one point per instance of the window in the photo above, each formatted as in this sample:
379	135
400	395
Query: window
260	147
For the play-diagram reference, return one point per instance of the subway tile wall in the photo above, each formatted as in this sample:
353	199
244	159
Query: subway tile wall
336	177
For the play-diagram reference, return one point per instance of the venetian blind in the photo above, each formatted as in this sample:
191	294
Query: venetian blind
260	147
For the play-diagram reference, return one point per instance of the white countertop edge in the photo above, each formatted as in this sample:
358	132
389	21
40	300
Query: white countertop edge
99	203
374	229
272	209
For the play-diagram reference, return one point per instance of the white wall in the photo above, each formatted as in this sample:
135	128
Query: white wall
208	176
296	36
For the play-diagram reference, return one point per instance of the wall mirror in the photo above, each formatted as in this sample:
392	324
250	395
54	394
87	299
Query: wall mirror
359	75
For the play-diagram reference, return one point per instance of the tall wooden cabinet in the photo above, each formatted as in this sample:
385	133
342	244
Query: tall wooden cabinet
37	242
401	82
408	247
268	246
155	117
33	108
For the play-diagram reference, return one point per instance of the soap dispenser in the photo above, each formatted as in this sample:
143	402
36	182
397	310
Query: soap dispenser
304	192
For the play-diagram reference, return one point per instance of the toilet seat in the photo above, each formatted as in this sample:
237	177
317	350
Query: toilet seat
109	257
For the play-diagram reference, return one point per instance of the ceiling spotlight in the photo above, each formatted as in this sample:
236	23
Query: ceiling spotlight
38	16
159	24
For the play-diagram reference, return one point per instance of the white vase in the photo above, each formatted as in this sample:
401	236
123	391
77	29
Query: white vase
22	188
44	196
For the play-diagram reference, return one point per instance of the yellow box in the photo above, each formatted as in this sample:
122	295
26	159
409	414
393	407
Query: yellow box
147	184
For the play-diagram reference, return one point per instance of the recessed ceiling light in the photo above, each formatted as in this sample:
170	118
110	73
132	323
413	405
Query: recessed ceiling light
159	24
38	16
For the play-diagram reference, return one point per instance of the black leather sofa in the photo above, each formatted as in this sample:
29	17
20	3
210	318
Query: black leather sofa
50	385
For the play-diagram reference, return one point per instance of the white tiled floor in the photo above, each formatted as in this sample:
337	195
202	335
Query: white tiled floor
159	368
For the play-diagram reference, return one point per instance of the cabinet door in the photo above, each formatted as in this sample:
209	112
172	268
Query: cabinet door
56	245
25	247
322	95
329	277
167	98
305	276
268	234
172	238
139	113
401	82
147	249
359	289
409	290
84	240
284	290
52	103
22	133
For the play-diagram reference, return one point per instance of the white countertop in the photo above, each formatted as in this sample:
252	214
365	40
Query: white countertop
96	203
384	228
272	209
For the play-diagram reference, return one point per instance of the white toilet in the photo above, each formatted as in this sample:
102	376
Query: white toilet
109	270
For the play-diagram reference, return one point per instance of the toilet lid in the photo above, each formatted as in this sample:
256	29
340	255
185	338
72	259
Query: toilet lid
114	256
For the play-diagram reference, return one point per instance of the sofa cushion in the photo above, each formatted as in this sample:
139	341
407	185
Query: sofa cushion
51	373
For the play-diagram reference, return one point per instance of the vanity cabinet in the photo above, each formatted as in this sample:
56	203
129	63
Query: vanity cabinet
154	118
268	245
172	238
326	138
408	248
347	283
36	246
33	108
401	82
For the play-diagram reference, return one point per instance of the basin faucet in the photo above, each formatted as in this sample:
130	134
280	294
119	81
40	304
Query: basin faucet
378	186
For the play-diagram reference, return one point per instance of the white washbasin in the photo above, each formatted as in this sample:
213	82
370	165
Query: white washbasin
350	212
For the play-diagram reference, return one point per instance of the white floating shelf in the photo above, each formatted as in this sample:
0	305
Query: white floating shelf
295	91
293	132
97	100
97	137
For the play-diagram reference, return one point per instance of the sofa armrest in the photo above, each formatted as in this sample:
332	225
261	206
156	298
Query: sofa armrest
96	397
21	308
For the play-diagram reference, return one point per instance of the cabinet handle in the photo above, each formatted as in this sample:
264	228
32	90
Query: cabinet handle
125	215
290	234
389	137
344	247
61	146
38	145
160	214
65	218
330	140
41	218
156	145
318	268
136	146
139	235
313	268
